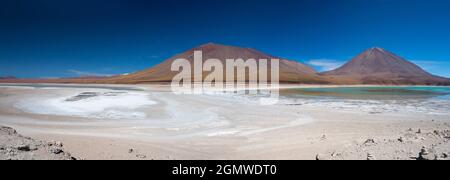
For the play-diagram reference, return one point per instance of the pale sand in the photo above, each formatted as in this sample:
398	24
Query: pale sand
213	127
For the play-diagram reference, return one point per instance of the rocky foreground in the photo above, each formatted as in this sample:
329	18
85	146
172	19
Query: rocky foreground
14	146
411	145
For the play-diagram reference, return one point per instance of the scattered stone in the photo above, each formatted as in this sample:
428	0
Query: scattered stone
130	150
56	150
444	155
59	144
318	157
369	142
55	143
334	154
324	137
14	146
410	129
8	130
424	150
400	139
141	156
442	134
23	147
419	131
426	154
370	157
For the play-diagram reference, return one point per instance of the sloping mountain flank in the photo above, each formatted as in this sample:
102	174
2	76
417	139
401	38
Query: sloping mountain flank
378	66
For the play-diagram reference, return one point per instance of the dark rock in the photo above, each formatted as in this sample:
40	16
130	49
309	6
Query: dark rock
442	134
23	147
369	142
56	150
8	130
427	154
55	143
58	144
17	147
370	157
318	157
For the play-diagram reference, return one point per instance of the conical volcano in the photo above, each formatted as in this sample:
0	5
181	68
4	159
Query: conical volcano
379	66
290	71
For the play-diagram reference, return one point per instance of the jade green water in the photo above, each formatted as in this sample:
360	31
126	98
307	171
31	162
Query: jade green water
374	93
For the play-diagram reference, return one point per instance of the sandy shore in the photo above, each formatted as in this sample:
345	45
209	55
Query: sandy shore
154	123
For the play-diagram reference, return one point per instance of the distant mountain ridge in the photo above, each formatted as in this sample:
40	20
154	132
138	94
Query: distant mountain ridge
373	66
7	77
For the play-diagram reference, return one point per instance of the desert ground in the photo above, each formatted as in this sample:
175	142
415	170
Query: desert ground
151	122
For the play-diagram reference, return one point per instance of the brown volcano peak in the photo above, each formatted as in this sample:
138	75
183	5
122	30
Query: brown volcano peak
290	71
379	66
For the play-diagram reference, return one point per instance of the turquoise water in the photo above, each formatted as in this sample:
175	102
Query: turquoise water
375	92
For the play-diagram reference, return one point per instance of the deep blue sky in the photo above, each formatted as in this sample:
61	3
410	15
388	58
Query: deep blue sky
53	38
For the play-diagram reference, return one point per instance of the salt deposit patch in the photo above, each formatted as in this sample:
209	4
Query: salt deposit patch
109	105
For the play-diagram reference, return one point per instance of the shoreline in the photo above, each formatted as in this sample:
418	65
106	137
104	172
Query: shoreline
281	84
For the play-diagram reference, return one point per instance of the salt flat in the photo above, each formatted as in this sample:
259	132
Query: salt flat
105	123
